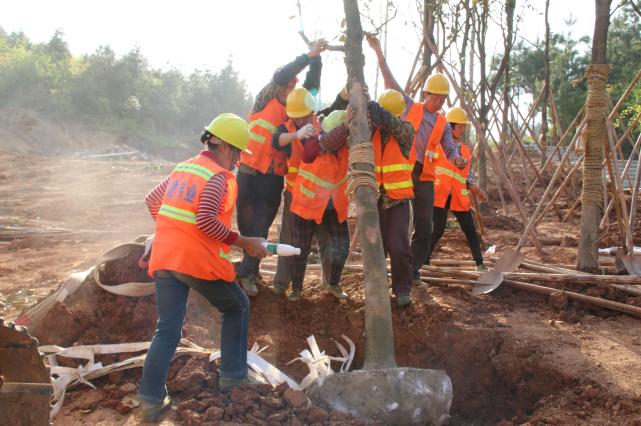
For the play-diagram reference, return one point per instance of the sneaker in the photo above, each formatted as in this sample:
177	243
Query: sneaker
295	295
337	292
249	285
277	289
403	299
481	268
225	384
151	412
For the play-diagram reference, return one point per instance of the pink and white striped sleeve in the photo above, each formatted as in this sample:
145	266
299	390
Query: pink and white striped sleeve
210	206
154	198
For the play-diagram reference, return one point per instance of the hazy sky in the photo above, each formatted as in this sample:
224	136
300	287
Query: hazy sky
258	35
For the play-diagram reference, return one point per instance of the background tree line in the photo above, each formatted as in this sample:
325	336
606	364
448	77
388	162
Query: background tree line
118	94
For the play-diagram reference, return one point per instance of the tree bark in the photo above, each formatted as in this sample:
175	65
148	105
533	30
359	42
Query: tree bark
546	87
379	337
510	5
428	31
592	191
483	112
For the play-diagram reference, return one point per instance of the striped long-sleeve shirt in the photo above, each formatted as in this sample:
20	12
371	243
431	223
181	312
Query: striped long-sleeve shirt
209	207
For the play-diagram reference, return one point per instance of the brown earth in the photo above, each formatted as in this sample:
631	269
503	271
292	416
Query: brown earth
513	357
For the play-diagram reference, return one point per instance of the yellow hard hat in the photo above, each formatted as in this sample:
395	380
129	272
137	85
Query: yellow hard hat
299	103
457	115
393	101
437	84
231	129
333	120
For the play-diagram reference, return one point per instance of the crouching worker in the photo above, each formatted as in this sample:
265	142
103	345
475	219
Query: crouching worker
193	209
394	159
452	189
319	204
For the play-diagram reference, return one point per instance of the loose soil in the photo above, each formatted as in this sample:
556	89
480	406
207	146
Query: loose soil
513	357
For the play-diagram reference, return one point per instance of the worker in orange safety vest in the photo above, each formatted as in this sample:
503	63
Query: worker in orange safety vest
193	210
431	130
452	188
260	175
394	158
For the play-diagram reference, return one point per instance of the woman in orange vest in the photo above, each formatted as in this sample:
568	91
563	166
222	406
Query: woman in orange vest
260	175
452	188
394	159
319	204
193	208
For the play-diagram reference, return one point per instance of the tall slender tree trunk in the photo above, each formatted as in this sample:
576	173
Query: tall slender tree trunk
592	192
510	5
379	336
546	87
429	7
480	38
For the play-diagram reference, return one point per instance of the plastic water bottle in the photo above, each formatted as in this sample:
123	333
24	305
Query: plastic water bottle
282	249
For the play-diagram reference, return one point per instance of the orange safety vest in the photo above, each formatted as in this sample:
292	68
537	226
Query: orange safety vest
415	116
262	126
296	156
178	244
319	180
449	179
393	171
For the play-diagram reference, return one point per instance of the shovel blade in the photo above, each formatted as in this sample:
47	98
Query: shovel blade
488	282
509	261
632	263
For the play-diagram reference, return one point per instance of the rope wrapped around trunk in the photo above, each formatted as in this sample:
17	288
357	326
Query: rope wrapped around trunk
361	153
597	78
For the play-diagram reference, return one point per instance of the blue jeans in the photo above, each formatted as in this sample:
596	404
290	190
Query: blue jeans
171	299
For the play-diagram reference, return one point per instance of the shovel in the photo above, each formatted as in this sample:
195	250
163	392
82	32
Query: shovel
490	280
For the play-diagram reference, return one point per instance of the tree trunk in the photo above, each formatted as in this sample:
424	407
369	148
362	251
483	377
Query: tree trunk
592	192
480	37
428	31
510	5
379	337
546	87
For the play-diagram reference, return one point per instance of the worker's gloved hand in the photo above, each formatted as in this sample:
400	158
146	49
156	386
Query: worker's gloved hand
253	246
460	162
307	131
479	193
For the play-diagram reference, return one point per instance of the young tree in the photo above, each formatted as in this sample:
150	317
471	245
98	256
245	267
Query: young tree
592	193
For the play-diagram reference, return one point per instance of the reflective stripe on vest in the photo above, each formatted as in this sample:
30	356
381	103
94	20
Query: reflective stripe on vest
264	124
195	169
178	214
450	173
318	181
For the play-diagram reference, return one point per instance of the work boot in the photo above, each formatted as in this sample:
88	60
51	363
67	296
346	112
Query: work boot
225	384
151	412
403	299
481	268
277	289
295	295
337	292
249	285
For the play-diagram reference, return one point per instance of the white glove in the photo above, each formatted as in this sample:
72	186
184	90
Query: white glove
307	131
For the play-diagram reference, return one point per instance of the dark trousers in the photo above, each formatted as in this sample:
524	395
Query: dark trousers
423	209
395	223
282	278
466	221
333	241
256	207
172	290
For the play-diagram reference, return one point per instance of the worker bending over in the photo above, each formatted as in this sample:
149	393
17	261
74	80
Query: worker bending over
452	188
260	175
394	159
431	130
193	208
319	201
